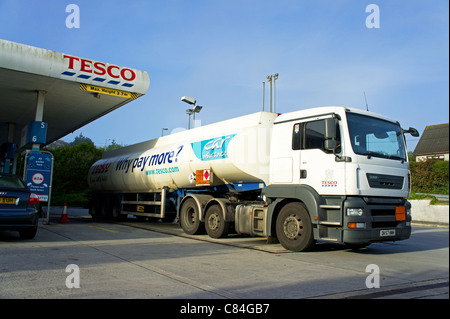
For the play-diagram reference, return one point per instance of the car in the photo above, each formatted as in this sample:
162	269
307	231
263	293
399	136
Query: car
19	207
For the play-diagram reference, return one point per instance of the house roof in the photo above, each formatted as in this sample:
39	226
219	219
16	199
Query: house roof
434	140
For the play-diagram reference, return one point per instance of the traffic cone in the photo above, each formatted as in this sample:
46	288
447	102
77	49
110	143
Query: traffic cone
64	218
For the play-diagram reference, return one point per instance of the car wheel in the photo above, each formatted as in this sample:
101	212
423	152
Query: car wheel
28	233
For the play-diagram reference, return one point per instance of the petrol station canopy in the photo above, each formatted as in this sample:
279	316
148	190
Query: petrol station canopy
58	91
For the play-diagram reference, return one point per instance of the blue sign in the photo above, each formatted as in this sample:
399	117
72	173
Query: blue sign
38	174
37	132
212	149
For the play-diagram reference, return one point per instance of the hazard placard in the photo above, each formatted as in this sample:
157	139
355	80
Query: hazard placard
203	177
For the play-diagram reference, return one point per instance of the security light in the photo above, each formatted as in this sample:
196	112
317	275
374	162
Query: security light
188	100
197	108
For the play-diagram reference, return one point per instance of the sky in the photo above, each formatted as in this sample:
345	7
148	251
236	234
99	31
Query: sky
220	52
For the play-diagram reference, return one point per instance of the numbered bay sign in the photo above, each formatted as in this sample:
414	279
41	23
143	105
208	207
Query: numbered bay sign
34	133
38	173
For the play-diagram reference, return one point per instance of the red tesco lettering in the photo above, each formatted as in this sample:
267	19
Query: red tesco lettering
100	68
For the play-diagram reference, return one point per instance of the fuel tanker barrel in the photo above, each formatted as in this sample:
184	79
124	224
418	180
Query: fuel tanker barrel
234	151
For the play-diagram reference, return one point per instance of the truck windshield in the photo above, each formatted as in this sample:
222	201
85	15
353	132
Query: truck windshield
375	137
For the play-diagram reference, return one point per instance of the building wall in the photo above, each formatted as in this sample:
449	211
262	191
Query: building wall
442	157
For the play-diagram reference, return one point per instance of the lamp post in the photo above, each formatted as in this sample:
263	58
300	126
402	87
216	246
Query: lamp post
275	77
271	79
189	112
195	109
162	131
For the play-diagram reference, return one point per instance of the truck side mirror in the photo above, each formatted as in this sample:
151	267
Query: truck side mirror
330	134
412	131
330	145
330	129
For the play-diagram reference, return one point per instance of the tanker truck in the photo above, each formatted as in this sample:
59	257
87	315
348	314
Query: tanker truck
330	174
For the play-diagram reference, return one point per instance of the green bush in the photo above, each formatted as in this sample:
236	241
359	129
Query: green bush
433	199
71	167
74	199
430	177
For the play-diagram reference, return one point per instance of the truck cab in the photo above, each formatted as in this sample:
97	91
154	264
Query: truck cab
347	169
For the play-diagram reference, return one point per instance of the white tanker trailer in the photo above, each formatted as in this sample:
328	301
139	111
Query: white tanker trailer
329	173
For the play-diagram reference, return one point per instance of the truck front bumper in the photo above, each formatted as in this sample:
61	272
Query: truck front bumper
382	219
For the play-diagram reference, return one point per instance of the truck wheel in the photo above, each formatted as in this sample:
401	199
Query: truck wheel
189	218
94	208
104	209
215	224
294	228
115	211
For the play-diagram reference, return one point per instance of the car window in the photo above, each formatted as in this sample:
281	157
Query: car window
11	182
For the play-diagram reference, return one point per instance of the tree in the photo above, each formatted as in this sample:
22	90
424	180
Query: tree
112	146
81	139
71	167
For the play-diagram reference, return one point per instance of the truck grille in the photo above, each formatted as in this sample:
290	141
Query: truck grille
383	212
385	181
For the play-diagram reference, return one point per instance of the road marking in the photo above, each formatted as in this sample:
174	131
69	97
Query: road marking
101	228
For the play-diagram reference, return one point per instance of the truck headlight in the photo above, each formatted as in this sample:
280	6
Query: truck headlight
355	211
408	211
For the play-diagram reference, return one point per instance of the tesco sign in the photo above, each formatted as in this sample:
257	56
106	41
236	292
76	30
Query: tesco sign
98	69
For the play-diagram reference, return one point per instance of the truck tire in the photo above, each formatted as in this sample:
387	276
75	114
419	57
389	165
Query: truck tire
294	227
189	218
115	211
94	208
104	211
215	224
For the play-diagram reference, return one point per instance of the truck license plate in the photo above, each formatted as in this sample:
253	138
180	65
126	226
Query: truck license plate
387	232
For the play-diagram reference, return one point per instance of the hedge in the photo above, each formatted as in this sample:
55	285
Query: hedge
71	168
430	177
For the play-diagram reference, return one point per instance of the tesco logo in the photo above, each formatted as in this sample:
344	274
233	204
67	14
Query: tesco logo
98	68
